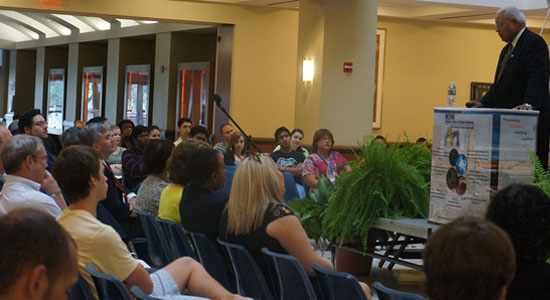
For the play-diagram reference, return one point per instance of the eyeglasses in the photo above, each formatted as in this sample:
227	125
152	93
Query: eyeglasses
41	124
325	138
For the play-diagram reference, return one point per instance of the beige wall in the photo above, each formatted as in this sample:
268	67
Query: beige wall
422	58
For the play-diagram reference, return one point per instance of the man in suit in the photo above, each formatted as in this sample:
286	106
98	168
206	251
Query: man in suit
521	79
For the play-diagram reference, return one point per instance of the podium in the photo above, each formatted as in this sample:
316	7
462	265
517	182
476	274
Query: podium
476	152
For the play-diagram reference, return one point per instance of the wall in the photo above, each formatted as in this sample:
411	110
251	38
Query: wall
25	70
422	58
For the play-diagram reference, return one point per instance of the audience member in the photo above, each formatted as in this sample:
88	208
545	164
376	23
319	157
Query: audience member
118	202
287	160
154	132
37	257
523	211
79	124
24	158
323	160
80	174
201	203
14	126
169	205
5	135
199	133
296	137
155	155
421	140
226	130
380	140
115	159
184	127
70	137
126	128
469	258
100	119
33	123
236	151
133	166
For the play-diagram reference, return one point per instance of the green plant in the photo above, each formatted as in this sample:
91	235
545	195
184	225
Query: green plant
309	210
390	182
541	177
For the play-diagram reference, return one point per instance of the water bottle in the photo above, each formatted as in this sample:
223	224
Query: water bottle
451	95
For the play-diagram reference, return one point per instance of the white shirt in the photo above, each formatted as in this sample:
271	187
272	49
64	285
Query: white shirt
516	39
20	192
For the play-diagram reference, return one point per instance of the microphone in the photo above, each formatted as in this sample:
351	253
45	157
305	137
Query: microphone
217	99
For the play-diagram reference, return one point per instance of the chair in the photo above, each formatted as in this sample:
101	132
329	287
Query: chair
108	286
291	192
338	285
249	278
293	281
229	172
159	251
385	293
178	240
81	290
140	294
213	260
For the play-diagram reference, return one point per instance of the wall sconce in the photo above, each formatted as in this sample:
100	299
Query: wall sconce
307	71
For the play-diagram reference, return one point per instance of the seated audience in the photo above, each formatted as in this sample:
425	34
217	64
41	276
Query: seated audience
79	124
99	119
80	173
286	159
34	124
323	160
184	127
380	140
24	158
169	205
70	137
115	159
126	128
226	130
155	155
14	126
199	133
133	166
256	216
37	257
523	211
117	202
469	258
236	151
422	141
5	135
154	132
201	203
296	137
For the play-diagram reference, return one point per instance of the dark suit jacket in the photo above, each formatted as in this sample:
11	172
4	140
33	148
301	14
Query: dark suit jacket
114	202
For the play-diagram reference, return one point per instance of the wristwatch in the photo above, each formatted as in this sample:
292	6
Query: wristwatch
54	195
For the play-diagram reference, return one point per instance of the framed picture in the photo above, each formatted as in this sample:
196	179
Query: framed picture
378	77
478	90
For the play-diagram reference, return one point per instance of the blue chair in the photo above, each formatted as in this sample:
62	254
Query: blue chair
229	172
385	293
81	290
159	251
140	294
213	260
338	285
293	281
291	192
178	240
108	286
250	281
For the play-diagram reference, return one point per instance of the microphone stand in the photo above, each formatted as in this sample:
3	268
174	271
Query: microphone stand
218	101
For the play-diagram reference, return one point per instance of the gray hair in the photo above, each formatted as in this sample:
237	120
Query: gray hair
92	133
16	150
70	137
513	13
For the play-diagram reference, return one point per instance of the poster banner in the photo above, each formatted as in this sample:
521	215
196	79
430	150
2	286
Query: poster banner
476	152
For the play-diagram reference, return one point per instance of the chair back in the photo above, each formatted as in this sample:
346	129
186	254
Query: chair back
250	281
229	172
291	192
385	293
178	240
338	285
213	260
108	286
159	251
140	294
292	279
81	290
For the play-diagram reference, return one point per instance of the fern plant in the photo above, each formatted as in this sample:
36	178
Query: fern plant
542	178
390	182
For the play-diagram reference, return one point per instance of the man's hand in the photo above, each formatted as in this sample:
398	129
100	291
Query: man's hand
524	107
474	104
132	203
49	185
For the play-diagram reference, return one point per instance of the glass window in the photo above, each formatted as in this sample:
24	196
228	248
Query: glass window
92	91
56	100
194	89
136	100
